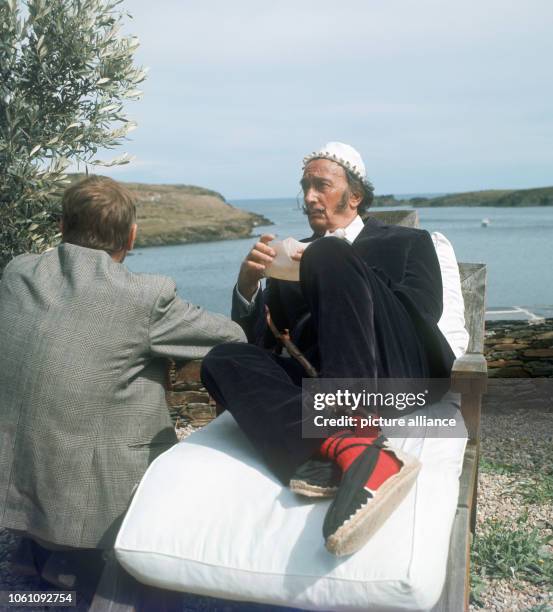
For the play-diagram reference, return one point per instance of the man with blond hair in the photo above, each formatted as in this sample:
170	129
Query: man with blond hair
82	370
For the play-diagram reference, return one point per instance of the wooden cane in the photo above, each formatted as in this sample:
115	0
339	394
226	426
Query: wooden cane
292	349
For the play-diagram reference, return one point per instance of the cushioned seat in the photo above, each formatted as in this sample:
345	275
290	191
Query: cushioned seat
209	518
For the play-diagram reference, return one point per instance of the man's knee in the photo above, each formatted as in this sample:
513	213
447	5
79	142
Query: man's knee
225	353
326	250
328	258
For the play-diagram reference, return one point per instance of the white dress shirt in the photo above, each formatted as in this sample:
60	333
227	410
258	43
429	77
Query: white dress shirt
350	232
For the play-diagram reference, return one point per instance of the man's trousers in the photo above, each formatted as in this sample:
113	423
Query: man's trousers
361	330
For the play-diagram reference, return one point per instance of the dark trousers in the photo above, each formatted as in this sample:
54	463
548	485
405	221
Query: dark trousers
361	330
74	569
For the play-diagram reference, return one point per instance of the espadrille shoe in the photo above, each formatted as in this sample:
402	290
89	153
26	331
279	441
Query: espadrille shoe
316	478
376	478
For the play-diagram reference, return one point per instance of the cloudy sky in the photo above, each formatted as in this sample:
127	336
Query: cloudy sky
437	96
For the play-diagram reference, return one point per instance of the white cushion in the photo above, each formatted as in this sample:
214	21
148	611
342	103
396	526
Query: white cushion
452	322
209	518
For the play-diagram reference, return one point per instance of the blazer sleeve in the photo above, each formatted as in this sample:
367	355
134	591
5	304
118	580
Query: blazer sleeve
181	330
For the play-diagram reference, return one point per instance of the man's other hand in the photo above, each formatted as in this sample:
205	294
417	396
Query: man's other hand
252	269
297	255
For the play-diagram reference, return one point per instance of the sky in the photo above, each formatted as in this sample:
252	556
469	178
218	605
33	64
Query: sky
437	96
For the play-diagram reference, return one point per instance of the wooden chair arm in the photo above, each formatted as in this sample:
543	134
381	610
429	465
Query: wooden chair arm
470	374
469	377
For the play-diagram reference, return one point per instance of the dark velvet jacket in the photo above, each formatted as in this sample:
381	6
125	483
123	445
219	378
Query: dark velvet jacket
403	258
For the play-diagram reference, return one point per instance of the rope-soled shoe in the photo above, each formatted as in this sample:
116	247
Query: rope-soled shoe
376	478
316	477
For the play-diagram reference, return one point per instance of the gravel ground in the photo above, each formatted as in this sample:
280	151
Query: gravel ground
509	438
520	444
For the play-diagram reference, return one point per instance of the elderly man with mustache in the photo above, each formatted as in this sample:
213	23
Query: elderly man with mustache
366	306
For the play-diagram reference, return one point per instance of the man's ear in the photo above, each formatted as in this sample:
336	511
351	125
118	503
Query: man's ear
132	236
355	199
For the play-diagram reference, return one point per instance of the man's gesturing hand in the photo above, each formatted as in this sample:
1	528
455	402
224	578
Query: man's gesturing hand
252	269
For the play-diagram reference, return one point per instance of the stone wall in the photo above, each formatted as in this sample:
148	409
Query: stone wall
518	349
189	404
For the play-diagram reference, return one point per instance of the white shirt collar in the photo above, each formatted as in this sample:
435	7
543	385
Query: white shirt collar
351	231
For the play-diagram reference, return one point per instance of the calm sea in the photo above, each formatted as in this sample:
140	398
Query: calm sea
516	245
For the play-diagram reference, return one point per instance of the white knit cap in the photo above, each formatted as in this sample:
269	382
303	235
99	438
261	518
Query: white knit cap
342	154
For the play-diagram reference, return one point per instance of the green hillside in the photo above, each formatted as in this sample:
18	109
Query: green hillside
540	196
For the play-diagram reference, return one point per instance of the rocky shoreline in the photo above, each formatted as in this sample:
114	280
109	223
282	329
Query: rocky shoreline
222	230
182	214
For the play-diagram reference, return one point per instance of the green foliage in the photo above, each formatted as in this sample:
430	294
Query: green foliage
496	467
502	552
65	73
537	489
477	587
544	607
540	196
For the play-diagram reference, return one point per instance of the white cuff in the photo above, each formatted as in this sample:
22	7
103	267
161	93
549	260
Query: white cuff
248	306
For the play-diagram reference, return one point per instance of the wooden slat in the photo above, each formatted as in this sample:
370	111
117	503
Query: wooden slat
456	592
473	285
468	476
406	217
471	411
469	377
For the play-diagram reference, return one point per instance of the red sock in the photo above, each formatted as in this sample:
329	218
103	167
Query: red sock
344	449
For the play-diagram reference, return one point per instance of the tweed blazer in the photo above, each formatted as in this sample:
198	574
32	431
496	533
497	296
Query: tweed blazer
83	343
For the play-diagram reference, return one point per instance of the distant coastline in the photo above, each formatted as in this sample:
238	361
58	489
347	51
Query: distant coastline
540	196
181	214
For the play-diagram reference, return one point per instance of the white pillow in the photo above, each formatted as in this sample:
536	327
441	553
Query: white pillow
452	322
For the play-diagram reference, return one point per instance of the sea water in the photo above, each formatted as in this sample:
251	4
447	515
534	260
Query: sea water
516	245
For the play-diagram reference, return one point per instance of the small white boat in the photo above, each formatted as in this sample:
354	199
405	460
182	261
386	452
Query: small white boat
485	222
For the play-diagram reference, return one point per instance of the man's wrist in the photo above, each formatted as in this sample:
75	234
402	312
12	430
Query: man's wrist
247	290
245	306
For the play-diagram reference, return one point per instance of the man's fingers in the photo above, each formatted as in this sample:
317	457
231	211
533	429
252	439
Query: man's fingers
266	238
252	265
263	248
260	257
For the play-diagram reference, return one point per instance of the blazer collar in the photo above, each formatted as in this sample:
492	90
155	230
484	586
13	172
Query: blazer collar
372	227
